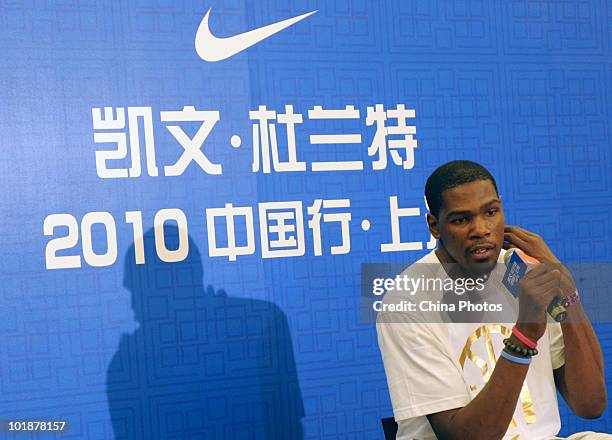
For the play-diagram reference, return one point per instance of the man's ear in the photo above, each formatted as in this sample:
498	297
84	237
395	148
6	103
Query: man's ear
434	228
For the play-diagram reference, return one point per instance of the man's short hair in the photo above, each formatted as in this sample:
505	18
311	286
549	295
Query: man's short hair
450	175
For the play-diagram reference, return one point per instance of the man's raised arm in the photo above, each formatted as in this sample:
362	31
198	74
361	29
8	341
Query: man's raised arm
581	380
489	414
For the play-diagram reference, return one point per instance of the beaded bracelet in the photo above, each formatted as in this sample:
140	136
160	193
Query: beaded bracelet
524	339
570	300
520	350
515	359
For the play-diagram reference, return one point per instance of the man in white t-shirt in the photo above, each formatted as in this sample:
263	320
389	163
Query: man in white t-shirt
482	379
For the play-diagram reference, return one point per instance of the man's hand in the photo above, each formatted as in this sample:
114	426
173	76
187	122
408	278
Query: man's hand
537	289
533	245
530	243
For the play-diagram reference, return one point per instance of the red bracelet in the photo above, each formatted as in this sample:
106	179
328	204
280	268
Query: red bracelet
524	339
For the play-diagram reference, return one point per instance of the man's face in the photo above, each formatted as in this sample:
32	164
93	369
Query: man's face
470	226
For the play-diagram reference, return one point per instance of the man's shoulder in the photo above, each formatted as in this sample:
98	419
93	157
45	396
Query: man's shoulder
412	288
426	265
429	258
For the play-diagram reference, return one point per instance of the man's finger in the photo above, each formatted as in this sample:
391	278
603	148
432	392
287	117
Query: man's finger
544	275
536	271
513	238
524	234
549	288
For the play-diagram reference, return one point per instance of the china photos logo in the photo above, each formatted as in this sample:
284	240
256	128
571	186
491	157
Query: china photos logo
212	48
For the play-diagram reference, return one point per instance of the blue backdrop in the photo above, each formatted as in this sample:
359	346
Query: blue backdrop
267	343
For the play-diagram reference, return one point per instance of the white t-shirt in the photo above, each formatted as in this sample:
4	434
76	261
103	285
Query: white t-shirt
437	366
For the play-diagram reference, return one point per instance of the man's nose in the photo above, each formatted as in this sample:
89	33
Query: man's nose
481	227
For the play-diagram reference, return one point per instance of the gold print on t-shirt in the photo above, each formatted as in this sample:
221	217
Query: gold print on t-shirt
486	368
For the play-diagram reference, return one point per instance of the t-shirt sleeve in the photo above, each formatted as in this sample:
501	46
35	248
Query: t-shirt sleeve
421	374
557	347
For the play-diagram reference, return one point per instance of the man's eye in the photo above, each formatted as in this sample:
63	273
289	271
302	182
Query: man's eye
459	220
491	212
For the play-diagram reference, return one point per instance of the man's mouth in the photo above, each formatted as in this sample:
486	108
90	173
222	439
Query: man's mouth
482	251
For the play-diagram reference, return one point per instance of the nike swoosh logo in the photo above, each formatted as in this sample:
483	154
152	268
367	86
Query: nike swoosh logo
211	48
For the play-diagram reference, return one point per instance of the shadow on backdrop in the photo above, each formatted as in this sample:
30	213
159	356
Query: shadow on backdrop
201	364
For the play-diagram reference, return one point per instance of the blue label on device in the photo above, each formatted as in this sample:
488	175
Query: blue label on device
515	271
